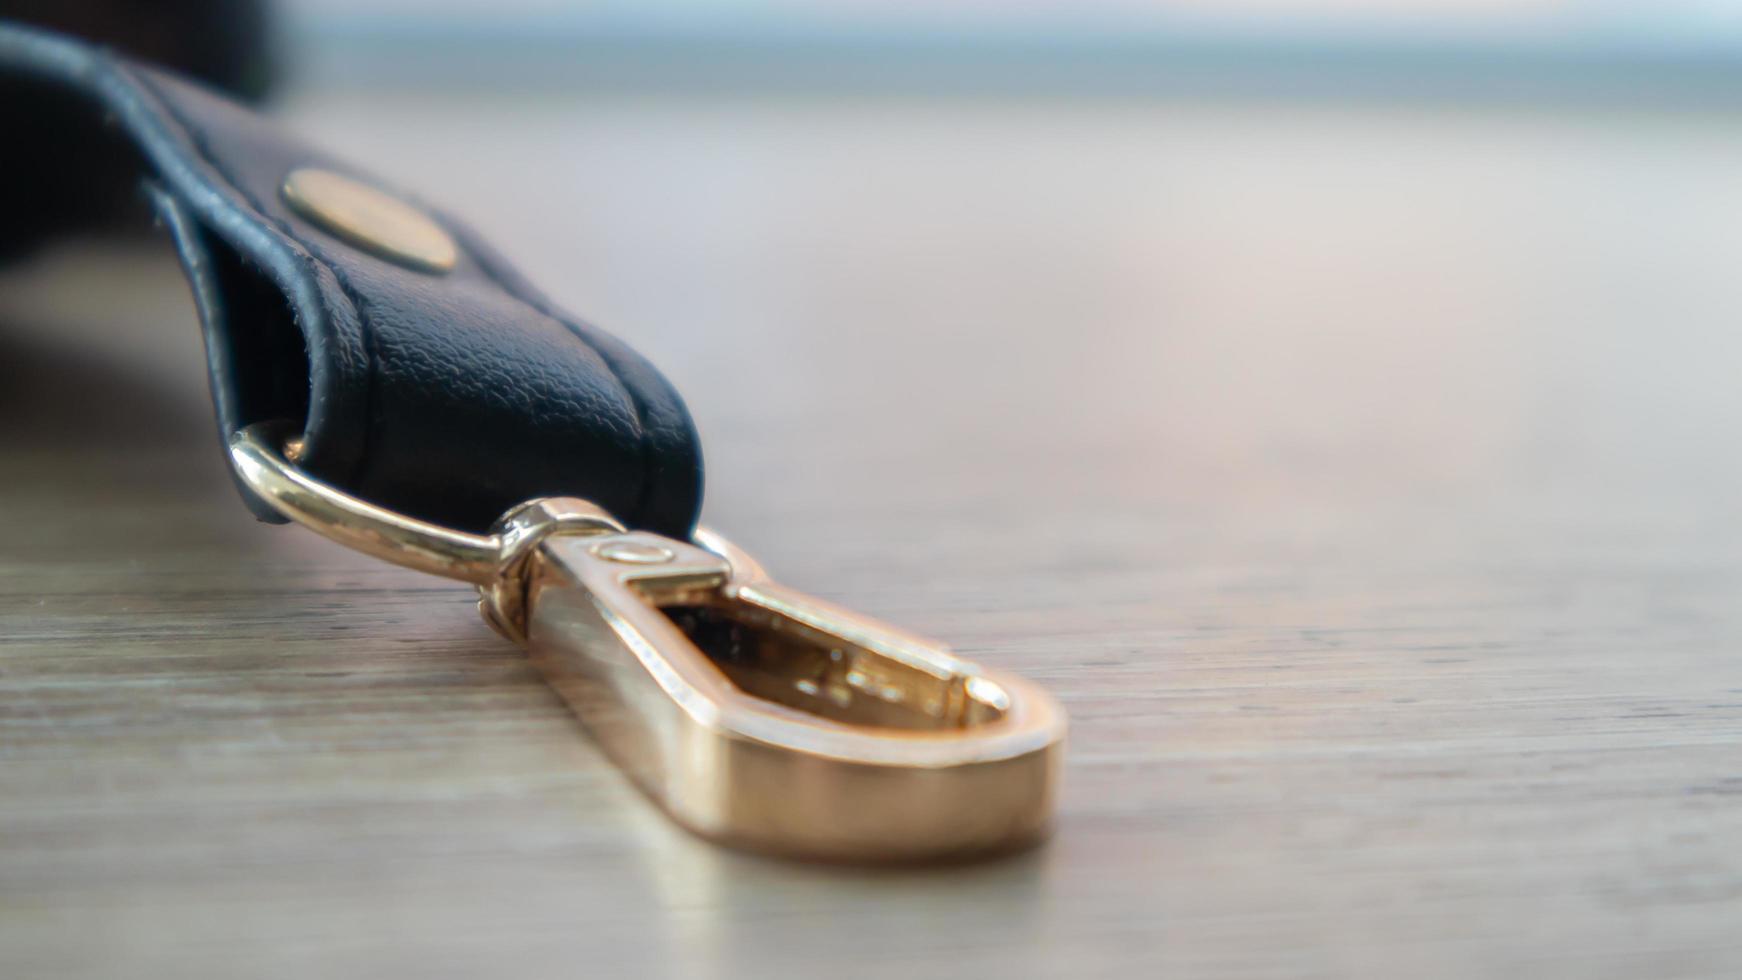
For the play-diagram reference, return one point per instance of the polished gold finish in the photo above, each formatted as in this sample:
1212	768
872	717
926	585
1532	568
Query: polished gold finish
258	459
753	714
370	218
766	719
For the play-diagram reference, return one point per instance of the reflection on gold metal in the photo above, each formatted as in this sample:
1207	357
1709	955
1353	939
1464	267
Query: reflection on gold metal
370	218
357	524
767	719
755	715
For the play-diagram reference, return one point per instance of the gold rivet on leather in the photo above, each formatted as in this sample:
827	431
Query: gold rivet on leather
370	219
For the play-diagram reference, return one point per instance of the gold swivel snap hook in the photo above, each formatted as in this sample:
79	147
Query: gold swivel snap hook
753	714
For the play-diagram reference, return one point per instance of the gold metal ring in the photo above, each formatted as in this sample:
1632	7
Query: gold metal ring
357	523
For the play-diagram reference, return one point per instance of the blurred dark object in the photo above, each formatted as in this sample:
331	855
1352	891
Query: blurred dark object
63	171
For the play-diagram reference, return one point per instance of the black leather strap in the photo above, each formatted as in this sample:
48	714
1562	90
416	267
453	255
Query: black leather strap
449	397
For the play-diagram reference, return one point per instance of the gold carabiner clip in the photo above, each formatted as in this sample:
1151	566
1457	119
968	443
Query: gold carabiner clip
753	714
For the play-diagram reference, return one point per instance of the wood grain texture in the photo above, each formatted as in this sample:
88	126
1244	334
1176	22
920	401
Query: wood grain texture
1363	482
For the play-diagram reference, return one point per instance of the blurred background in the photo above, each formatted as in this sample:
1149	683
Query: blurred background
1440	49
1461	237
1426	231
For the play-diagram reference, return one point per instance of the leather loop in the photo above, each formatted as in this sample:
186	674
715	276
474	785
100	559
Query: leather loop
450	397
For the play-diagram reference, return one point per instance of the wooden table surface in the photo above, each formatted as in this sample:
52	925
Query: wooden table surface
1364	480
